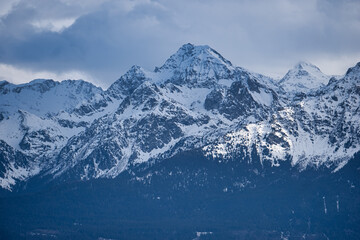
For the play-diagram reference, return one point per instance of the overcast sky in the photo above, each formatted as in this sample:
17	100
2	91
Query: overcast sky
99	40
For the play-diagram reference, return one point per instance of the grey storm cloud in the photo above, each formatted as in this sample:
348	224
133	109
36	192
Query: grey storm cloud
104	38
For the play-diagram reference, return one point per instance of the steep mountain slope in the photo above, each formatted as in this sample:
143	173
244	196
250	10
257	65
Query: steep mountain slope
322	128
38	118
196	100
166	115
14	166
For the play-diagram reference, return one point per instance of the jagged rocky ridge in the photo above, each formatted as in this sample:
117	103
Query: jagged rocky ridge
196	100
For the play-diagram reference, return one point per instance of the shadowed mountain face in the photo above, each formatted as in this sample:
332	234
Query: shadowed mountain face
196	149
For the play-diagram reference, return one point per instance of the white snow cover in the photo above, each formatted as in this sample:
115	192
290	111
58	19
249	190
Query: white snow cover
264	98
253	135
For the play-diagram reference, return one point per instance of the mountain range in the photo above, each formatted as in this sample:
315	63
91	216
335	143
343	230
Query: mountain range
198	105
196	100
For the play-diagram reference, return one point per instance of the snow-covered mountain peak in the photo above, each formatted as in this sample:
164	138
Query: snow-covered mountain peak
196	66
306	66
37	85
127	83
354	70
44	96
304	77
191	55
135	70
39	81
